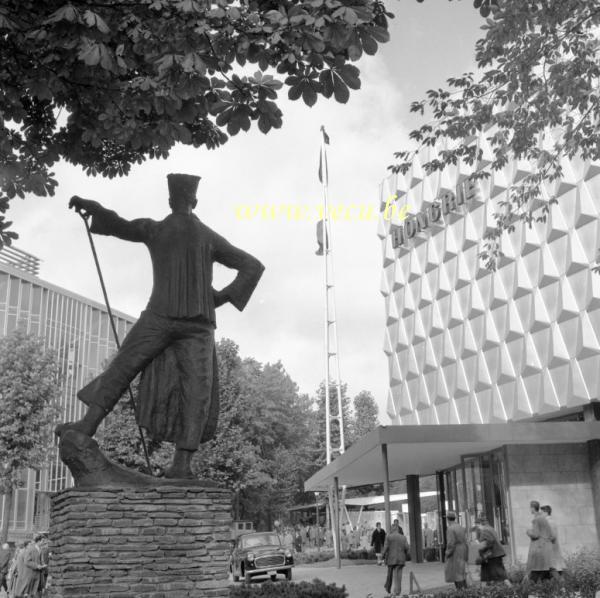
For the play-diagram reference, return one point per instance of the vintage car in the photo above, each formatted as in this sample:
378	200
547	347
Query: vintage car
260	553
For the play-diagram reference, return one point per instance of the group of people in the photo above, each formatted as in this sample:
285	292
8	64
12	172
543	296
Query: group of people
24	574
491	552
544	561
303	538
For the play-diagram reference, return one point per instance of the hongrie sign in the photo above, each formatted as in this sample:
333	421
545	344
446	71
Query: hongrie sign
446	202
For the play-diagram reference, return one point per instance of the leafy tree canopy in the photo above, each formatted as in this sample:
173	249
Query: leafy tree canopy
29	392
366	414
536	97
106	84
120	438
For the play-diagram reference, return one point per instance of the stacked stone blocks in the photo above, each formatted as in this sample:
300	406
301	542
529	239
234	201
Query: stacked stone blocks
153	543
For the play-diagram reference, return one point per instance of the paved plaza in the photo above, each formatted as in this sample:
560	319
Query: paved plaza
364	579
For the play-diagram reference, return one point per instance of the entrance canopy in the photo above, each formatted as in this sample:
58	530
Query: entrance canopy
423	450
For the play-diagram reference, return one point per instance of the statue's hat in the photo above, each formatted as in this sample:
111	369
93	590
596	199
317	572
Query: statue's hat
183	185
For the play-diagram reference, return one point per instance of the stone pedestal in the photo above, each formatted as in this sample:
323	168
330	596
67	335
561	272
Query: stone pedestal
168	542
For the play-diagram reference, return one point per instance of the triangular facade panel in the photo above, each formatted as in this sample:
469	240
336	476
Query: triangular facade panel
466	345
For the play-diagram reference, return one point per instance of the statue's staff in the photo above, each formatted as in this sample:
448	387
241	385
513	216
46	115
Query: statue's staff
85	218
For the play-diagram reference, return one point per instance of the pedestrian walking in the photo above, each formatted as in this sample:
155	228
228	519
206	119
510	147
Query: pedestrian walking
491	553
541	552
45	559
395	553
29	573
16	566
298	541
377	541
4	565
558	561
455	569
313	534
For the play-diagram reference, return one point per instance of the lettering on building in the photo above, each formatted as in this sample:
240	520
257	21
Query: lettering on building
446	202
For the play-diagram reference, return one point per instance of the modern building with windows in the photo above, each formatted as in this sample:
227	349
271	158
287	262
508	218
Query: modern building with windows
494	376
78	330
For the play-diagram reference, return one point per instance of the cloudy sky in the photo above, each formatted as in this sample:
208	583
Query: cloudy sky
284	319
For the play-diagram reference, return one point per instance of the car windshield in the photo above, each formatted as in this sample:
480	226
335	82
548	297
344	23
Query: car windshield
259	540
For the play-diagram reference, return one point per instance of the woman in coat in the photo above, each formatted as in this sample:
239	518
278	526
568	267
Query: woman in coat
17	563
491	554
455	569
541	552
377	541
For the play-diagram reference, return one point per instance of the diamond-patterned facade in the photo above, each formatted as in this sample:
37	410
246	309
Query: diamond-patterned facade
466	345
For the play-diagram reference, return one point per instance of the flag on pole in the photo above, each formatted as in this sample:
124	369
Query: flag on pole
321	238
323	159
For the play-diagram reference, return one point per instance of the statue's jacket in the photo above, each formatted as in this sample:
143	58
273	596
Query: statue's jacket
182	250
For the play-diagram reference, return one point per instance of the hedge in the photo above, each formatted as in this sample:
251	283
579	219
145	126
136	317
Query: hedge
303	589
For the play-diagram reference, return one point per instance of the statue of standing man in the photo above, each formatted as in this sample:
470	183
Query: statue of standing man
172	343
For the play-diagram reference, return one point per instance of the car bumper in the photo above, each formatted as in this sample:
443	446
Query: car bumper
269	570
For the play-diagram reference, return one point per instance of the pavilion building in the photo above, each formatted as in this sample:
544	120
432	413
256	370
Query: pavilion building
494	376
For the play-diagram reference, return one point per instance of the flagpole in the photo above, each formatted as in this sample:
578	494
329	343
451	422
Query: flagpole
324	175
330	335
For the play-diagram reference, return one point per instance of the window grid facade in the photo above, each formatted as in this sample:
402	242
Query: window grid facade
78	330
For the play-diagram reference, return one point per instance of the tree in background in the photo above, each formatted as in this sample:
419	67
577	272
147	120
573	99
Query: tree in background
119	438
29	393
108	84
536	96
260	450
366	414
270	438
320	454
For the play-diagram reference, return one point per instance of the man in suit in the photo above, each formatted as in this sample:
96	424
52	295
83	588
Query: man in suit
172	343
395	551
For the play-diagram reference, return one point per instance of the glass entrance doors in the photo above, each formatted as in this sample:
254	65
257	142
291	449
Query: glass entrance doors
477	487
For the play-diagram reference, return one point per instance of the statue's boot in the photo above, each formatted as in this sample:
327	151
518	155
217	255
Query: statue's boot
87	425
91	469
182	466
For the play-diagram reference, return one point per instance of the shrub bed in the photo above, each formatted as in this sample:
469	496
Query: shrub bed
361	553
581	579
305	558
303	589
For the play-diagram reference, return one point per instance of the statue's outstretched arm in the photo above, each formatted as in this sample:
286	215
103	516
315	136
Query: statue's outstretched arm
108	222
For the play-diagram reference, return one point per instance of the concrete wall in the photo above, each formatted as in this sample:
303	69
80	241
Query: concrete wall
557	475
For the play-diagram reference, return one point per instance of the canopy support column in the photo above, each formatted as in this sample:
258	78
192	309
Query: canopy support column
386	488
336	522
414	518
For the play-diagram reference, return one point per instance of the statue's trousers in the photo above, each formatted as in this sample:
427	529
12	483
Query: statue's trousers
177	397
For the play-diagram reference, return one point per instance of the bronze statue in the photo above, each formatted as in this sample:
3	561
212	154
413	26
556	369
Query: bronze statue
172	343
